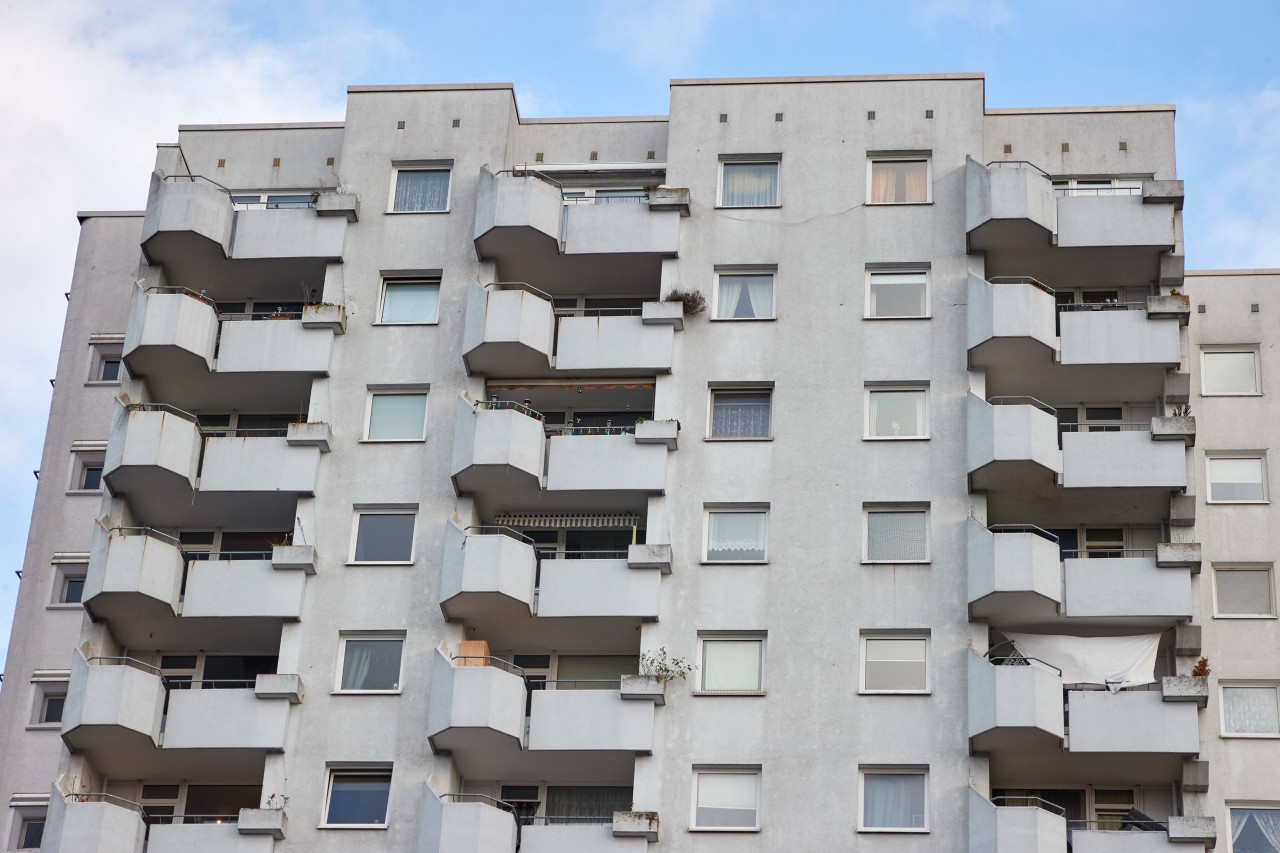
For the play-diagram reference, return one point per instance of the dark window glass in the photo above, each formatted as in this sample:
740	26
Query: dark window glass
92	477
384	538
359	798
53	709
31	835
110	370
73	592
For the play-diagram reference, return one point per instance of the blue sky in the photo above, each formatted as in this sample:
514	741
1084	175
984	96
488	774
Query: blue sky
89	87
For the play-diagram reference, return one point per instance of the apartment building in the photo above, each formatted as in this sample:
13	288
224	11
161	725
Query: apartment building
400	494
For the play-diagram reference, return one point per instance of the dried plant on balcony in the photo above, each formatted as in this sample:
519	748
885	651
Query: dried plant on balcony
694	302
662	667
1201	669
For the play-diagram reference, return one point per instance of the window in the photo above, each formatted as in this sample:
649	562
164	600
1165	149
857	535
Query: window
737	536
420	190
727	799
384	536
731	664
1250	709
744	296
51	707
72	591
91	478
895	664
1229	371
31	833
897	413
893	801
409	301
1237	479
897	293
741	413
273	201
358	797
86	467
396	416
901	180
749	183
104	358
1241	591
370	664
1255	829
897	535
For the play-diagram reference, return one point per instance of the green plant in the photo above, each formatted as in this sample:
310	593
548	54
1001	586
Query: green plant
1201	669
662	666
694	302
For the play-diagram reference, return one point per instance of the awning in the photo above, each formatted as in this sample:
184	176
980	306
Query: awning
559	522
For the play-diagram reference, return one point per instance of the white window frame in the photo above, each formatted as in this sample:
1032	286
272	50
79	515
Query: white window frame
863	772
395	392
368	636
23	815
744	770
707	511
869	390
1260	455
336	770
81	462
869	509
1257	805
62	573
737	389
101	352
1246	567
884	635
409	279
771	272
361	511
1237	349
745	161
761	637
925	156
1223	684
902	270
395	180
1072	186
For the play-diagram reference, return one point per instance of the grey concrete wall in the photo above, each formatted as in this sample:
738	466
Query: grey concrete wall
1092	135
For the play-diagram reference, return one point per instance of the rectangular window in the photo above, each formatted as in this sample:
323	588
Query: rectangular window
409	301
421	191
370	664
897	293
731	664
726	799
899	181
737	536
893	801
91	478
744	296
895	664
1255	829
749	184
51	707
897	536
1237	479
396	416
384	536
104	359
1228	372
358	797
1243	591
109	370
31	833
1252	709
72	589
744	413
897	413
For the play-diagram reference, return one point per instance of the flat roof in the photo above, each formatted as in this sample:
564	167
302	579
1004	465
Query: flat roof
848	78
292	125
1234	272
1136	108
429	87
82	215
595	120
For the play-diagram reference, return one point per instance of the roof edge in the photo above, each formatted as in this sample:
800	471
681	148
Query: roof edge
429	87
1132	108
82	215
850	78
1234	272
596	120
294	125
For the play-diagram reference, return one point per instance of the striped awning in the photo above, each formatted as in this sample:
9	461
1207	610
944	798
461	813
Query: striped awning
558	522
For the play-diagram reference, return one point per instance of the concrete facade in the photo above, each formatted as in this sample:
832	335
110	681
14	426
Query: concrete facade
412	470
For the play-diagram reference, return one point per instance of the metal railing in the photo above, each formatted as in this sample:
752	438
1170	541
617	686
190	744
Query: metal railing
570	429
591	684
1018	164
498	530
520	285
244	432
1119	823
526	172
191	819
1114	305
494	404
194	178
605	554
568	820
479	798
1021	279
608	199
162	407
489	660
146	531
1096	191
1020	660
1104	553
181	682
1107	426
598	312
280	312
211	556
1016	801
106	660
1021	400
103	797
1023	528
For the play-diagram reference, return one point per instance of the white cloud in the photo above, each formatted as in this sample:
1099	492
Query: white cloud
89	89
985	14
658	35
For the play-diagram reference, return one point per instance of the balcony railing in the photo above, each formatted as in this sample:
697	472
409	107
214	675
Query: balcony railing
494	404
1096	191
1107	305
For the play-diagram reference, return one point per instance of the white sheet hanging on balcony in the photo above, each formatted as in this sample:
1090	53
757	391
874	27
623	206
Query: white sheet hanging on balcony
1113	662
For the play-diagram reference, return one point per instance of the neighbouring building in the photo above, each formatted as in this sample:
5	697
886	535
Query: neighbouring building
397	495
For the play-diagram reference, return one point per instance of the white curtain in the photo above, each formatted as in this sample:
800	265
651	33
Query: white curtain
896	536
371	665
744	297
898	294
731	664
740	414
897	413
1235	479
735	535
893	800
411	302
1113	662
727	799
749	184
1239	819
1250	710
1229	373
422	189
397	416
899	181
1266	820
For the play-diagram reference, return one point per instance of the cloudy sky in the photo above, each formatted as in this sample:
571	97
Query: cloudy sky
87	87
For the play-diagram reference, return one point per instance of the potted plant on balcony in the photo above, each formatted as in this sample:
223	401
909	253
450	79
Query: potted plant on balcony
634	824
656	669
325	315
694	302
1188	688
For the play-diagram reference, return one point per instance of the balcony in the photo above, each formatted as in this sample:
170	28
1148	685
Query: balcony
1121	456
93	822
1131	587
1180	832
231	719
112	704
466	823
477	705
1015	574
585	461
1014	707
1012	444
211	837
592	835
141	583
578	719
1013	828
1131	721
1009	320
192	229
486	570
1118	334
507	332
582	586
498	448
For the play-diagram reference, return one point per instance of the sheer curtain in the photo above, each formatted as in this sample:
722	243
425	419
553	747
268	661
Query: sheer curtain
371	665
893	800
422	189
744	297
749	184
740	415
586	801
897	414
1250	710
899	181
735	536
1266	820
898	294
731	664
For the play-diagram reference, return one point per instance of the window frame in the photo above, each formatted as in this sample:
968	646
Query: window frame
863	659
367	636
865	771
333	771
396	169
905	269
726	770
1246	567
761	637
84	459
1260	455
708	510
748	160
869	390
925	157
101	352
869	509
436	278
361	511
713	390
1229	349
771	272
1224	685
22	821
1251	805
406	391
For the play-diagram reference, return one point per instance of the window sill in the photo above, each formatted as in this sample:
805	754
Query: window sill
895	692
896	562
900	317
1222	503
903	829
412	212
743	319
417	323
733	562
895	438
44	727
747	206
386	563
84	492
62	605
739	438
1252	735
1234	394
1244	616
365	692
729	693
895	204
393	440
379	826
724	829
113	382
